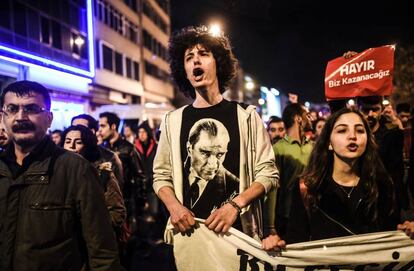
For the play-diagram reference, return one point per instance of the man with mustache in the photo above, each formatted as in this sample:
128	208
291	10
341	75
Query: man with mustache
390	141
52	209
276	129
203	65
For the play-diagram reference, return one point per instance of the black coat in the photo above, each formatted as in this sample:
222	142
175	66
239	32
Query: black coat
53	215
332	217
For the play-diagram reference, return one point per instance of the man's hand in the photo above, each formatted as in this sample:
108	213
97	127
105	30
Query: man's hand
181	218
408	228
391	116
273	242
349	54
222	219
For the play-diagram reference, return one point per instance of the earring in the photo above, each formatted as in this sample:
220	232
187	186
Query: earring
330	147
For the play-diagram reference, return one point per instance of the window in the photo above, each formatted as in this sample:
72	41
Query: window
119	64
56	35
5	14
128	64
107	57
20	19
45	28
33	28
132	4
136	70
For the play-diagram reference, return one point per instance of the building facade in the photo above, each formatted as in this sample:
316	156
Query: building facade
89	53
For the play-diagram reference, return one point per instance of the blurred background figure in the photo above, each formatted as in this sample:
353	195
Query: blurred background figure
81	140
404	114
292	154
129	130
156	212
390	140
107	155
276	129
4	138
317	128
134	180
56	136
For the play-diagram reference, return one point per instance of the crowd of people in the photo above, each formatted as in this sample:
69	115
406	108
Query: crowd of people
84	198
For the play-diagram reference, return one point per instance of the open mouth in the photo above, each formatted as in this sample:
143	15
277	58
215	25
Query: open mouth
352	147
198	72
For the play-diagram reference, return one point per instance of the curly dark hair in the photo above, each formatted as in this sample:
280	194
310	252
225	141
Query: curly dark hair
376	181
220	47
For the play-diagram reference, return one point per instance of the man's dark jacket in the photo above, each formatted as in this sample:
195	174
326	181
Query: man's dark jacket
53	215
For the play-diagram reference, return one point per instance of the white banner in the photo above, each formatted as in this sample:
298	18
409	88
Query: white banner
206	250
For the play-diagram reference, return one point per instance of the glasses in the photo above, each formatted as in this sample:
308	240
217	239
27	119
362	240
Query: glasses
29	109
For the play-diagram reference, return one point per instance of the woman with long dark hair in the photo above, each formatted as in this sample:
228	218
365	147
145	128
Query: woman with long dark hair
81	140
345	189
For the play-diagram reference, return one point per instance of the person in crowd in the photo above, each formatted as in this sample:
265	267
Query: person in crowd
404	114
129	132
317	128
292	154
56	136
202	66
52	207
81	140
147	146
276	129
4	137
345	189
133	170
105	154
390	141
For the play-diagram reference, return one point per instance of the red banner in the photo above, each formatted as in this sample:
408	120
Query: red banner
366	74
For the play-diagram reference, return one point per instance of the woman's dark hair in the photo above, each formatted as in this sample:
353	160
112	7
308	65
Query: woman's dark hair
189	37
90	150
371	171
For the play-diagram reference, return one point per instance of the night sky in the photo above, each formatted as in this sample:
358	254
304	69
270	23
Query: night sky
286	44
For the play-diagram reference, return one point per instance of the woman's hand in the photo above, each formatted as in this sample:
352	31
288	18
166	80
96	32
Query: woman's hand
273	242
408	228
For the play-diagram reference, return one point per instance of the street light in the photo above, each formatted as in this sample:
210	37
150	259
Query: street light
79	41
275	91
249	85
214	30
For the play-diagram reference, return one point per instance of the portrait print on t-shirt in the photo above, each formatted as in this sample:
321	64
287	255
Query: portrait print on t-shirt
210	184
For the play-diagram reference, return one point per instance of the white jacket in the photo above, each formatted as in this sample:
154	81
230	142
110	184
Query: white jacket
257	162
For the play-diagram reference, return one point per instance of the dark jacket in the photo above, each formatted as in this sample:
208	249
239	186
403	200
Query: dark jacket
106	155
333	217
53	215
390	143
146	155
132	169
